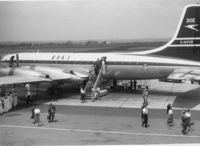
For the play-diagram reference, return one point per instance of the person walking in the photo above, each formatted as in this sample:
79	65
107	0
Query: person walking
145	95
97	67
82	93
37	115
53	112
103	65
142	115
170	120
188	118
49	116
184	122
15	99
28	94
168	107
145	116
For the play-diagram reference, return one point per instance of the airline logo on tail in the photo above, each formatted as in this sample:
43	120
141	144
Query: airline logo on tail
191	24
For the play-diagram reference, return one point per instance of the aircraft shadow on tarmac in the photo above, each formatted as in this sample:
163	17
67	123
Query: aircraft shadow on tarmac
151	92
188	99
164	93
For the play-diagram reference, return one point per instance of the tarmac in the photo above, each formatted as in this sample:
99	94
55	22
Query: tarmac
112	119
181	96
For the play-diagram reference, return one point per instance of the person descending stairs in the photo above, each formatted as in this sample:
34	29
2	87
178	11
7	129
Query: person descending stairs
92	87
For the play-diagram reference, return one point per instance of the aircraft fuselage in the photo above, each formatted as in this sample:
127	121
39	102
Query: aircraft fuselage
118	66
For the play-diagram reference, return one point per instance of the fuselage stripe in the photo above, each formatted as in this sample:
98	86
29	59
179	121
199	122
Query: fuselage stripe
92	62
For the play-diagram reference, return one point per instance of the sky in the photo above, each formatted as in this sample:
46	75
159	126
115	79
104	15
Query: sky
89	19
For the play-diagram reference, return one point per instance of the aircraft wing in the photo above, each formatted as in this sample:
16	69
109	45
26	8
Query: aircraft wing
30	74
185	74
21	79
33	74
59	74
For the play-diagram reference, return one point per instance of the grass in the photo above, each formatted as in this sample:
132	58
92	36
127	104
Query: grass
89	46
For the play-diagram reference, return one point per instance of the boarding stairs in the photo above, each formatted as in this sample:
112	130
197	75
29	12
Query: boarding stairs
94	82
90	84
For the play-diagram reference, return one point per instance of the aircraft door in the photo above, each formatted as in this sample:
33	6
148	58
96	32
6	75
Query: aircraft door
103	62
17	60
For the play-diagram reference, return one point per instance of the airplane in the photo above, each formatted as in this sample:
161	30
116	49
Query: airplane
179	59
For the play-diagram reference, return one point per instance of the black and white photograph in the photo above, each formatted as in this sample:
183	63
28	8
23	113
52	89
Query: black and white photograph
100	72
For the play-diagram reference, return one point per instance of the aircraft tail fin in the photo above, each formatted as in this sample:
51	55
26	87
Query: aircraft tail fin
189	25
186	42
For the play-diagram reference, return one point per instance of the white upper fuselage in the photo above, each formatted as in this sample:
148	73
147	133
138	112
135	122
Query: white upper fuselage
118	66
